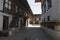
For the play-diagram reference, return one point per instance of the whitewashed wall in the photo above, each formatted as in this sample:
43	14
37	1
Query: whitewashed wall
1	20
10	19
59	9
1	4
53	12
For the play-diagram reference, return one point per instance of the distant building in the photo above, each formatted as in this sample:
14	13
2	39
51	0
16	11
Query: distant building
33	20
36	19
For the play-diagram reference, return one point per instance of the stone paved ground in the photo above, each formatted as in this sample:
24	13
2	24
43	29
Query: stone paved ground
29	34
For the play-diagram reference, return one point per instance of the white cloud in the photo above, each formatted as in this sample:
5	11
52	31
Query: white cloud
36	7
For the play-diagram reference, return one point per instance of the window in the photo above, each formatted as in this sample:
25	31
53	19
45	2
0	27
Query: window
48	18
44	19
37	18
44	8
46	5
1	4
49	3
16	8
8	4
6	1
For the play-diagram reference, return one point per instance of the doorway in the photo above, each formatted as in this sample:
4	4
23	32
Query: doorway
21	22
5	22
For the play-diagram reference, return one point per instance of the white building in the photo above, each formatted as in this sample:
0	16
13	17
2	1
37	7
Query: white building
6	17
51	12
13	16
3	14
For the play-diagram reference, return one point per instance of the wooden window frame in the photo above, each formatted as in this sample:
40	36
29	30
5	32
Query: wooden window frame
8	5
48	18
49	3
44	8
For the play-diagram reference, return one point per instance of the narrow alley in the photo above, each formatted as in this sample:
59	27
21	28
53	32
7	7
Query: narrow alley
29	20
29	34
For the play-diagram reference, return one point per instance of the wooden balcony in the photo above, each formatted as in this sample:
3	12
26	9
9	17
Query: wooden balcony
20	4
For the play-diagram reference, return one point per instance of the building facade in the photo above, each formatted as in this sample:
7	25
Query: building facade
13	14
5	17
50	9
33	20
51	14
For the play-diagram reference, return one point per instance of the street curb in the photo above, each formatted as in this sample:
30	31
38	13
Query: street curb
50	32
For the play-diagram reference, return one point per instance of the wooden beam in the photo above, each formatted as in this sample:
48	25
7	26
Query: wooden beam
37	0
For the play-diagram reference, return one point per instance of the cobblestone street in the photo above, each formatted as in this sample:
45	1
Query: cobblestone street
29	34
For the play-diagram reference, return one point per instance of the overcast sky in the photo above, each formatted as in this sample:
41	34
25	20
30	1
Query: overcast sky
36	7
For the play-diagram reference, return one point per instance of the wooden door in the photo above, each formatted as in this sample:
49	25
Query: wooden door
5	22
